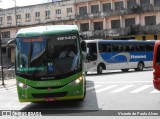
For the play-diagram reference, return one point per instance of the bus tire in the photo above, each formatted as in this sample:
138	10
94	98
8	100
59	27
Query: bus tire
99	69
124	70
140	66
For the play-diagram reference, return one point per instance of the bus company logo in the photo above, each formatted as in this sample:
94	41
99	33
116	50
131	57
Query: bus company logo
66	37
48	84
138	56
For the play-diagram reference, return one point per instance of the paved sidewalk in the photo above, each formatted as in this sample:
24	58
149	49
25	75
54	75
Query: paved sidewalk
8	83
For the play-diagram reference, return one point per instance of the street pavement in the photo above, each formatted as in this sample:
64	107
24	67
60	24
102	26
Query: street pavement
113	90
7	83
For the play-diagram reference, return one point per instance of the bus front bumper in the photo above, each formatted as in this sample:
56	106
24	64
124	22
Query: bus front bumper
67	92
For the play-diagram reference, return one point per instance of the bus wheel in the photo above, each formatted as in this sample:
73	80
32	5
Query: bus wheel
124	70
99	69
140	66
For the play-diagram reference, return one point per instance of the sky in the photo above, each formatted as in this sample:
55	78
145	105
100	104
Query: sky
4	4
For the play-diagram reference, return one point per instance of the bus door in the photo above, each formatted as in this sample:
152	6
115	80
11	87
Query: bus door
156	66
91	55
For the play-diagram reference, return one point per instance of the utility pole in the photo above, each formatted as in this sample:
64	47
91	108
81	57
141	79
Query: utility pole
15	12
1	59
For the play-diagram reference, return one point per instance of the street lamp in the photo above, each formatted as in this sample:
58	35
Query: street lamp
15	12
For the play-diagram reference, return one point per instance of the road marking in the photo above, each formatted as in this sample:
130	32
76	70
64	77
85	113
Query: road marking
106	88
141	89
122	89
93	87
155	91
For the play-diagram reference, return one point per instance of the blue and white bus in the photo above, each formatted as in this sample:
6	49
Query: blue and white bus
118	55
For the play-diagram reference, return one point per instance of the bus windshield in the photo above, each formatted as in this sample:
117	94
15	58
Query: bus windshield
49	55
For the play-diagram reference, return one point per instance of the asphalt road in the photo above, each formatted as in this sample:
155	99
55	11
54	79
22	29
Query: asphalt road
106	93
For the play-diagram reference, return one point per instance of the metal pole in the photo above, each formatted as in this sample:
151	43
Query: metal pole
15	15
1	60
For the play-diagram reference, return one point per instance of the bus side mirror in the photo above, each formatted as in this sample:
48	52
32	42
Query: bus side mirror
83	46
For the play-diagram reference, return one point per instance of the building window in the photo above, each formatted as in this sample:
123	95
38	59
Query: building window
47	14
150	20
115	24
28	17
129	22
6	34
84	27
94	9
144	3
98	25
9	19
119	5
69	10
18	18
1	20
82	10
37	14
157	2
131	4
106	7
58	11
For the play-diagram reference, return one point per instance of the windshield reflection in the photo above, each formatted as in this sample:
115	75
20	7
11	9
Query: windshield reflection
51	55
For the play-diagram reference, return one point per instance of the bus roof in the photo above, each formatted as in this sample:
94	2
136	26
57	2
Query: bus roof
47	30
119	41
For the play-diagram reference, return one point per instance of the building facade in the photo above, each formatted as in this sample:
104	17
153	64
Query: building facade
112	18
107	19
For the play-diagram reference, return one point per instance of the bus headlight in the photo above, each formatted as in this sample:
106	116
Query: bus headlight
22	85
77	81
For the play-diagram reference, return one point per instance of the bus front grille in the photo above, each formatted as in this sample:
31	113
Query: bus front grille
49	95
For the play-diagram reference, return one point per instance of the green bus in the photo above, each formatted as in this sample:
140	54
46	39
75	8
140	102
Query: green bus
42	72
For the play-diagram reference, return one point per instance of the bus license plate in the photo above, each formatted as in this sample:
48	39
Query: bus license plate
50	99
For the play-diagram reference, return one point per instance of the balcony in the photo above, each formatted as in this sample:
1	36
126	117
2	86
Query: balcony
81	1
106	33
136	10
82	16
117	12
135	30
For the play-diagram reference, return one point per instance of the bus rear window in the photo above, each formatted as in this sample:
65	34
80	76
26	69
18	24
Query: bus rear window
158	55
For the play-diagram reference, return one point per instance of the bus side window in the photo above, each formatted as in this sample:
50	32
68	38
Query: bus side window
149	47
120	46
101	48
117	47
114	47
108	47
158	55
142	47
139	47
125	48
